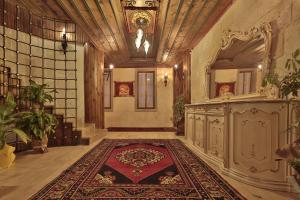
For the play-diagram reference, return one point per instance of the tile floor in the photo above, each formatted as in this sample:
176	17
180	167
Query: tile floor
31	172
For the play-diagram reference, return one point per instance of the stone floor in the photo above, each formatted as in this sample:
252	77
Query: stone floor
31	172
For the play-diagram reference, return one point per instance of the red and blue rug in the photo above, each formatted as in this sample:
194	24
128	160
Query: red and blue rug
139	169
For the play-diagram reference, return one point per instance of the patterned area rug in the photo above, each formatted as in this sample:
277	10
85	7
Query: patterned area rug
139	169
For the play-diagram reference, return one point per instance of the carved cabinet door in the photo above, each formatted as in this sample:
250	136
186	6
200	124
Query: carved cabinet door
190	127
200	131
255	135
215	136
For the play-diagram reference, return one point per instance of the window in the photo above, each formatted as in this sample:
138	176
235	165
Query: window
146	90
245	82
107	90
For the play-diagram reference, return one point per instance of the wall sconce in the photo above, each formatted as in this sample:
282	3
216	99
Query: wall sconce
166	79
64	43
111	67
259	67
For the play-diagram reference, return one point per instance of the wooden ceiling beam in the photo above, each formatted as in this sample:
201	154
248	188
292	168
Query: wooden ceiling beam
193	32
118	10
59	13
212	18
171	15
72	13
187	30
111	16
98	19
161	19
180	20
89	21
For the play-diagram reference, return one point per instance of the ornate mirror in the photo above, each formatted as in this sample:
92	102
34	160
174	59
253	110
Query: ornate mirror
240	64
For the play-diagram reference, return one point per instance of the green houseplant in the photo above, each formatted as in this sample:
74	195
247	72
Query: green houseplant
178	114
289	85
36	94
39	125
8	119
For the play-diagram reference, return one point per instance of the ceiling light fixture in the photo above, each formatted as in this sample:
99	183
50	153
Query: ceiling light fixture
259	66
146	46
140	36
138	43
64	43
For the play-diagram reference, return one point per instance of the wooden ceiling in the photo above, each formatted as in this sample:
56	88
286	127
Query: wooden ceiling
178	25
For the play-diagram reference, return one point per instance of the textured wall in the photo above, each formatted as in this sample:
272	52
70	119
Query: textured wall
284	17
48	71
124	114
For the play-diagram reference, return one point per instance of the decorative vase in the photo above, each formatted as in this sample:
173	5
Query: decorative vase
7	156
40	145
272	91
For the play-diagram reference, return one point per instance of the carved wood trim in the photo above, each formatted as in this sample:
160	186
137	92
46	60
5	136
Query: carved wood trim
264	30
275	123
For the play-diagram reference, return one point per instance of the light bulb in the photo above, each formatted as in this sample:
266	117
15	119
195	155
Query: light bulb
111	66
138	43
175	66
259	66
64	31
140	33
146	46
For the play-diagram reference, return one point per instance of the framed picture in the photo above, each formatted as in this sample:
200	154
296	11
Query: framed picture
224	89
123	89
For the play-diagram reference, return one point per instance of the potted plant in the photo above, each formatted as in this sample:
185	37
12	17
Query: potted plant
36	95
8	126
290	85
38	125
178	115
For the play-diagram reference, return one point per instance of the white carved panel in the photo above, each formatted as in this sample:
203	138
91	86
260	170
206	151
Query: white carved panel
256	136
215	135
190	127
200	131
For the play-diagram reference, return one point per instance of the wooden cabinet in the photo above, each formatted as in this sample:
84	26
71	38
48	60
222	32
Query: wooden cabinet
200	131
215	135
241	137
190	127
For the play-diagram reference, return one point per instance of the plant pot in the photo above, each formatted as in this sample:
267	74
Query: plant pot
7	156
180	128
40	145
36	107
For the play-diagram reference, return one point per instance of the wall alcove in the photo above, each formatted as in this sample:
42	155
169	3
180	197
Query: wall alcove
31	49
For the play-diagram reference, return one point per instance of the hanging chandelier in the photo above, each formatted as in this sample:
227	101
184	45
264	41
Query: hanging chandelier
140	36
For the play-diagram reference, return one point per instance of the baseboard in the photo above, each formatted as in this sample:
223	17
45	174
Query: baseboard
141	129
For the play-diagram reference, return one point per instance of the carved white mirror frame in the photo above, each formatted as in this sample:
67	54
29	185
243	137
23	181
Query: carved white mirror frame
263	30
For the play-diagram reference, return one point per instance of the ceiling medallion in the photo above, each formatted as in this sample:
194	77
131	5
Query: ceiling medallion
141	19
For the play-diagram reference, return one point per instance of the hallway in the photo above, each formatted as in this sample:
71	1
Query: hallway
150	99
29	174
